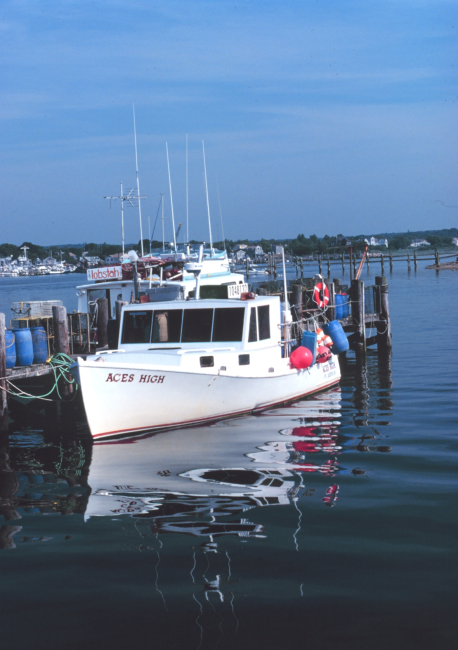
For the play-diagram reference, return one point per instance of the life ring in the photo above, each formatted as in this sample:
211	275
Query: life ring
321	295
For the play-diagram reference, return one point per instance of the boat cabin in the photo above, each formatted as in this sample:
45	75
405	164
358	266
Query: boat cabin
242	324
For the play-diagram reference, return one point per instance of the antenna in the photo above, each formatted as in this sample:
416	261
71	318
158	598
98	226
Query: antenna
171	199
130	197
208	204
138	183
187	194
220	213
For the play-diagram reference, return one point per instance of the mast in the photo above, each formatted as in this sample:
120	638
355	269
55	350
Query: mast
187	193
220	213
138	183
171	199
163	236
208	204
122	222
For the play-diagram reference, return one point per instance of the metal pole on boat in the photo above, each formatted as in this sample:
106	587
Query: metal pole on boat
163	236
133	258
287	313
208	204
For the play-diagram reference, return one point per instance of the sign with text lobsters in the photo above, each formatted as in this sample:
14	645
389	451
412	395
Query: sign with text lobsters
105	273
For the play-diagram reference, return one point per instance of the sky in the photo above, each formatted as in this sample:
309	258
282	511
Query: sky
318	117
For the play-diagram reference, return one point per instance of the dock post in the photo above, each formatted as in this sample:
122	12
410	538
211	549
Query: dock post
367	262
408	262
302	268
275	269
297	300
3	385
382	264
320	268
436	256
246	264
358	312
384	327
61	343
337	285
329	267
414	260
343	263
102	322
297	266
354	265
391	262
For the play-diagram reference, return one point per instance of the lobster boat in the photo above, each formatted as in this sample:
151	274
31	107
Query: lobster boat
184	362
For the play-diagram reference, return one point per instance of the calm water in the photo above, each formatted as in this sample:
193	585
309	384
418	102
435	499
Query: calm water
328	524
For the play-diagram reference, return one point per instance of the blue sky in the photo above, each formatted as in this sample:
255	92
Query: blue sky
319	116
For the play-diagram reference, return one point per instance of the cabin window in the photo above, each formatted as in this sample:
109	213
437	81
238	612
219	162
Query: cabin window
136	327
167	326
244	359
197	325
207	362
228	324
253	330
264	322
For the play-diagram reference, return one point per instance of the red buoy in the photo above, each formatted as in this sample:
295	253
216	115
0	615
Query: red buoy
323	354
301	358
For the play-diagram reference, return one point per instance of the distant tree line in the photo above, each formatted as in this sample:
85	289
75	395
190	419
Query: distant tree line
301	245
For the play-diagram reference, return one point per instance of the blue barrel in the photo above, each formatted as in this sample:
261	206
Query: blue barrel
345	305
339	306
309	342
39	344
24	346
10	349
339	340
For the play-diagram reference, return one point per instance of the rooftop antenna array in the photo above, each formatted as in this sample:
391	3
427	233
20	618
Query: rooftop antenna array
130	197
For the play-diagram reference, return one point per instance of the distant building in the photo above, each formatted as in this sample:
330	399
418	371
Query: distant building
113	259
416	243
373	241
455	241
240	247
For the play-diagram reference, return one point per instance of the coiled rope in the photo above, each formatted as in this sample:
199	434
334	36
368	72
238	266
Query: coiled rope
60	365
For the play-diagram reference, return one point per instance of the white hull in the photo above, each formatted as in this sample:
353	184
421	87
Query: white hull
126	397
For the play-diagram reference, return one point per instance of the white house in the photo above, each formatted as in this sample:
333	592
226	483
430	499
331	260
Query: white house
419	242
373	241
455	241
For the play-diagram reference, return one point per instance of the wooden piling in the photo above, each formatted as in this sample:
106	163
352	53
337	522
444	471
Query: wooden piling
337	285
329	267
320	268
382	264
246	265
354	266
436	256
391	262
102	322
302	268
3	385
408	262
61	342
367	261
358	313
297	300
414	261
297	266
343	263
382	307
